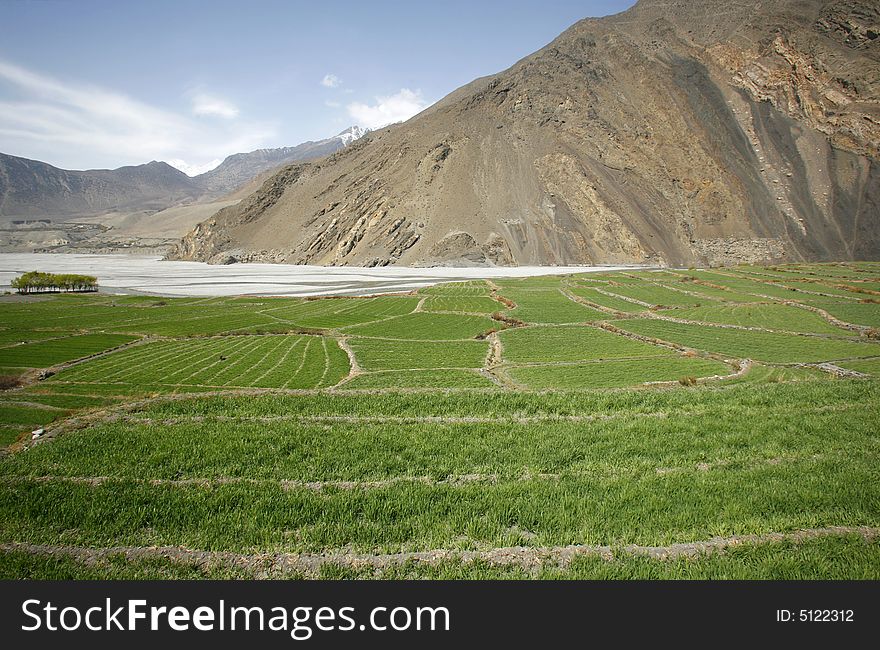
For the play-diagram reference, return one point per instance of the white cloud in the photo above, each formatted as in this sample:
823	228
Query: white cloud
77	125
204	104
193	170
331	81
332	104
388	110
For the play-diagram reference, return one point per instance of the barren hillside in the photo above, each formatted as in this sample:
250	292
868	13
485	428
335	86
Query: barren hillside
676	132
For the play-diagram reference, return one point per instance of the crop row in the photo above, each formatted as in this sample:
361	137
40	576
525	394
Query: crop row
243	361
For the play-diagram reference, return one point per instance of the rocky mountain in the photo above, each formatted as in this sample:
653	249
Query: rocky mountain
677	132
30	189
238	169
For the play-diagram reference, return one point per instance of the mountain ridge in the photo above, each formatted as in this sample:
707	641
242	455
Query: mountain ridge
32	189
672	133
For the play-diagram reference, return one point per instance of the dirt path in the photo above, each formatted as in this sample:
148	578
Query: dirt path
493	365
529	558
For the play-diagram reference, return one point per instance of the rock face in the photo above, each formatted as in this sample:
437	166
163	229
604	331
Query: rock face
238	169
33	189
695	132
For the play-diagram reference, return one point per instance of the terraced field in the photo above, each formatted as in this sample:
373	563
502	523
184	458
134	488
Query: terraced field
45	353
692	424
763	346
536	345
228	361
426	326
544	302
766	316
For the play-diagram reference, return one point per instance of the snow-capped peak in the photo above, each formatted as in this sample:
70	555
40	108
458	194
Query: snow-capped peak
351	134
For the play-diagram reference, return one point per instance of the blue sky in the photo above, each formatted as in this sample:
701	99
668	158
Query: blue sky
89	83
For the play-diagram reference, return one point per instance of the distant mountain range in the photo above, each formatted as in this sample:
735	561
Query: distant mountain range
30	189
683	132
240	168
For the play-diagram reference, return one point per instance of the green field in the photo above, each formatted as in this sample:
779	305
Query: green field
767	316
270	361
750	344
303	438
540	300
534	345
43	354
617	373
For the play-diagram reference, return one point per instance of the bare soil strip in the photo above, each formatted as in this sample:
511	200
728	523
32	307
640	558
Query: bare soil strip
529	558
355	367
492	366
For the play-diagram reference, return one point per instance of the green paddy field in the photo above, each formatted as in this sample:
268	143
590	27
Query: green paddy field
717	424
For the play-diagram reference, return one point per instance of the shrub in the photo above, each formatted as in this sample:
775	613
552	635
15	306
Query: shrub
688	381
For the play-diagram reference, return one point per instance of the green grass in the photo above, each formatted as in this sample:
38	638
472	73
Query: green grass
272	361
342	312
646	509
762	346
429	327
656	294
628	432
48	353
683	281
468	304
423	451
537	344
61	401
470	288
11	337
614	374
767	316
745	285
867	366
419	379
9	433
10	414
858	313
612	302
761	374
380	354
843	558
12	372
540	300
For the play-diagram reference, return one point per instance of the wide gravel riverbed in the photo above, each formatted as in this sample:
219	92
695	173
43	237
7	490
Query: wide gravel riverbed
151	275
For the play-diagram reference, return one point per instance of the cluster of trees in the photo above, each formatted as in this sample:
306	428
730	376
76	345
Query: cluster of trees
37	282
